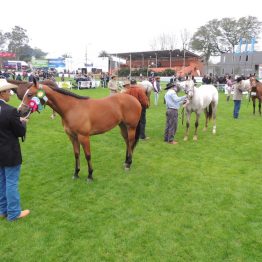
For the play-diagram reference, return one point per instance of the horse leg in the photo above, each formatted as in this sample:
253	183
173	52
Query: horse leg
196	126
53	115
188	113
76	147
124	134
254	106
259	107
206	122
131	133
214	117
85	142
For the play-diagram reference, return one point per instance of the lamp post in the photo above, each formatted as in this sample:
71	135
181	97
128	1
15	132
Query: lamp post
148	62
170	61
156	59
184	60
130	64
143	61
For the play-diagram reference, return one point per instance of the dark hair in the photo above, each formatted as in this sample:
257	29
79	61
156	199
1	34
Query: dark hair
133	82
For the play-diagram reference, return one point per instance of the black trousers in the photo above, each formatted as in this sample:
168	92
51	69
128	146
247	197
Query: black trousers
143	123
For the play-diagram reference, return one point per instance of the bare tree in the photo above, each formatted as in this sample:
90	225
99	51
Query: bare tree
164	42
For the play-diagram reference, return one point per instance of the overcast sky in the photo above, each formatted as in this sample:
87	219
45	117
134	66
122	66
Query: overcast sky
115	26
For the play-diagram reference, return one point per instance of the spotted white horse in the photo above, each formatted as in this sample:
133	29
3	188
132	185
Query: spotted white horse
203	98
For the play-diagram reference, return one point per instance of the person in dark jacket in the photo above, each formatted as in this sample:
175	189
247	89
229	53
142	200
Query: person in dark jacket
11	128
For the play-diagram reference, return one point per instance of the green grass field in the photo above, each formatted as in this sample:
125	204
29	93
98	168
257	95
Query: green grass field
195	201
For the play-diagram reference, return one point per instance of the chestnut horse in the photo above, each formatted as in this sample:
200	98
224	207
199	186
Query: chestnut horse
83	117
256	93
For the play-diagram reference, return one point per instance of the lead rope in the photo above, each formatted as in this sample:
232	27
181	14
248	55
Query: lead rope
182	114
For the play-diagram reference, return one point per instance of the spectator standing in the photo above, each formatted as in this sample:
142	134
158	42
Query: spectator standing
113	85
229	84
157	89
239	88
11	128
18	77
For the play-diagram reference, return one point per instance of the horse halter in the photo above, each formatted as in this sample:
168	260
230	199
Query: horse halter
189	91
37	103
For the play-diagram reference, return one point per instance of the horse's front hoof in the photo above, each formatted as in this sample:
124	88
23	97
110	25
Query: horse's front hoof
185	138
74	177
195	138
204	129
214	132
127	168
89	180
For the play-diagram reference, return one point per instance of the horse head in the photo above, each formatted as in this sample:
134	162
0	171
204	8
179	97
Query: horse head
189	88
253	81
26	107
22	87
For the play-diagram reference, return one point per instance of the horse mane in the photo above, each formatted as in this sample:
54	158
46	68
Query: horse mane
25	84
17	82
55	87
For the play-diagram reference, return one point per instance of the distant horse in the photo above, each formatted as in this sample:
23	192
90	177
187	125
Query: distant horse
148	87
256	93
83	117
203	98
22	88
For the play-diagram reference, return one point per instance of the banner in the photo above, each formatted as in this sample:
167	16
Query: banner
56	63
252	45
40	63
238	47
7	54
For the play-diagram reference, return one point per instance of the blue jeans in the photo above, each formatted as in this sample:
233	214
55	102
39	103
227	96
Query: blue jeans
237	104
9	195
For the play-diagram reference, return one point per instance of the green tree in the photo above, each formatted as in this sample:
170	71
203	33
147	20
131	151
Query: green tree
220	36
26	53
66	55
17	39
2	40
103	53
38	53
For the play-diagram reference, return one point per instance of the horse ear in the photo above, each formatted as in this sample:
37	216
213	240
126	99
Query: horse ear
34	81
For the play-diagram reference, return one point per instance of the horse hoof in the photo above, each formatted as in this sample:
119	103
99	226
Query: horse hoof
89	180
75	177
185	138
214	132
127	168
204	129
195	138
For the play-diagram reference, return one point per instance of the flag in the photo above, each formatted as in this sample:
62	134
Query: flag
246	47
238	47
253	41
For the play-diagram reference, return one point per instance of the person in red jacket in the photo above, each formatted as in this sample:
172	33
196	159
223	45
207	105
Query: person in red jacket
133	89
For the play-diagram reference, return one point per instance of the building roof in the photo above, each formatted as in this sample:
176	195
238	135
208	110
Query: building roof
152	54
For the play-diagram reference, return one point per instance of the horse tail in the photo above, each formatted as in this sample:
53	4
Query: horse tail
209	111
